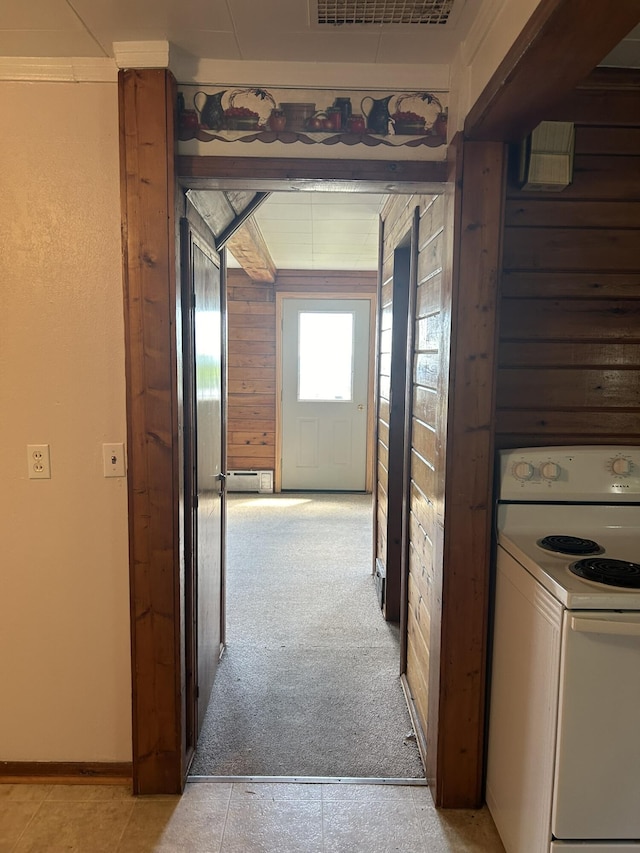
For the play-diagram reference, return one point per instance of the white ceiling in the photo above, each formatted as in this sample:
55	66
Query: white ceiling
321	231
280	30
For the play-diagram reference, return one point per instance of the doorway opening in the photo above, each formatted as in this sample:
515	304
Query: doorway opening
309	683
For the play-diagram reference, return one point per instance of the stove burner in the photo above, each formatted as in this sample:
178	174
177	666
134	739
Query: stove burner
610	572
570	545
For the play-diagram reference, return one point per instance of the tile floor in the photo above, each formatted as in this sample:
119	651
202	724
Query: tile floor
238	817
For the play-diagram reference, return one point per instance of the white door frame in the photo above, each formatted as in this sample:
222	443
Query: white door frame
280	297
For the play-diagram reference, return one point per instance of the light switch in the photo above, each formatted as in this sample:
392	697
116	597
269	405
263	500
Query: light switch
113	460
38	462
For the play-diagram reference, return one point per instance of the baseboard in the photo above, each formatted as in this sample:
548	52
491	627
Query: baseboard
67	772
415	720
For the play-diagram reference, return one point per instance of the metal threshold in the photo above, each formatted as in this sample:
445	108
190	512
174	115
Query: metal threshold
312	780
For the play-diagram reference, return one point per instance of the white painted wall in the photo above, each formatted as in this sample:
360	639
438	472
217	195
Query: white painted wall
64	613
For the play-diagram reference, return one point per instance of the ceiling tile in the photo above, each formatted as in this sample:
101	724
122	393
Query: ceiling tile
424	46
48	43
284	16
306	46
273	211
328	228
39	15
207	43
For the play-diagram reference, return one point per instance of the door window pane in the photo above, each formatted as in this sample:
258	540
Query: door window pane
325	355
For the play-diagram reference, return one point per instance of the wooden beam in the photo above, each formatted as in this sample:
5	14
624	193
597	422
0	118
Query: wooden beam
147	104
560	45
249	248
458	671
336	175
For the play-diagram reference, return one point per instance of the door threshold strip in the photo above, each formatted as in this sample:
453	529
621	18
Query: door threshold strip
313	780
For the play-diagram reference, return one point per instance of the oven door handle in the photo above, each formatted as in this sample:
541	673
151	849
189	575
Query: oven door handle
597	626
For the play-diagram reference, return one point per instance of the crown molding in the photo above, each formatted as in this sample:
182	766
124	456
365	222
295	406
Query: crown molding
141	54
58	69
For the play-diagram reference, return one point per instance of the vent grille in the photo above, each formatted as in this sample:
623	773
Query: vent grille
338	12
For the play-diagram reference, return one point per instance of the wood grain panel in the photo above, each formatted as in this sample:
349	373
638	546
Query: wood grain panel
425	405
238	425
238	436
558	284
569	389
255	374
571	248
422	474
418	673
584	106
429	296
559	319
245	408
256	454
239	346
574	427
607	140
255	387
423	508
253	334
250	294
568	354
428	334
252	361
262	400
248	308
431	256
326	281
418	604
424	441
383	454
546	213
423	547
427	369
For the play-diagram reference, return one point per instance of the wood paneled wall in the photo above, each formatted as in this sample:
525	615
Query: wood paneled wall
428	423
251	407
252	356
569	358
428	445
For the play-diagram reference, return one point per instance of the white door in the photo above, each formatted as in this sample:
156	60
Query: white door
325	383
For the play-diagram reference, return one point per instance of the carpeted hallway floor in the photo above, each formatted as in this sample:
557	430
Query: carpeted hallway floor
308	684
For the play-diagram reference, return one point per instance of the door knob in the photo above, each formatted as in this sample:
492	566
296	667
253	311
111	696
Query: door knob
360	407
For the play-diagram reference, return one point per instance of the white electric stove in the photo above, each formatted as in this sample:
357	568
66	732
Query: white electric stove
563	771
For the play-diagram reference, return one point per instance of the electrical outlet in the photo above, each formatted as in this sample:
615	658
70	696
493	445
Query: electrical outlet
113	460
38	462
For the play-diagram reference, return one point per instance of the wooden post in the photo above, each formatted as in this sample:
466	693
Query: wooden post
457	685
147	99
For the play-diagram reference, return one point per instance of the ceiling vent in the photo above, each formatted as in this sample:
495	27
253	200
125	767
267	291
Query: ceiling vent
338	12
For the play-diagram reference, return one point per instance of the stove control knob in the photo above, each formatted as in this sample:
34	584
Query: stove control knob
621	466
550	470
523	470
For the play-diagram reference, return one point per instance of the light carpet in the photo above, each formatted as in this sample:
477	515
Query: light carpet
309	683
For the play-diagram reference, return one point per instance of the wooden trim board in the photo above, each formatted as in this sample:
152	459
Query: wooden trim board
66	772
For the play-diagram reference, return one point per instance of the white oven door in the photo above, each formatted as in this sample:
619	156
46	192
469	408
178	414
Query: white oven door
597	773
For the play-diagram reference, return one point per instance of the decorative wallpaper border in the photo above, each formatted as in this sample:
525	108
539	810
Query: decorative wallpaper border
312	116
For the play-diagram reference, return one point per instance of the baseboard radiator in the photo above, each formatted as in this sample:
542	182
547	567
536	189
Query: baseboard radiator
250	481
